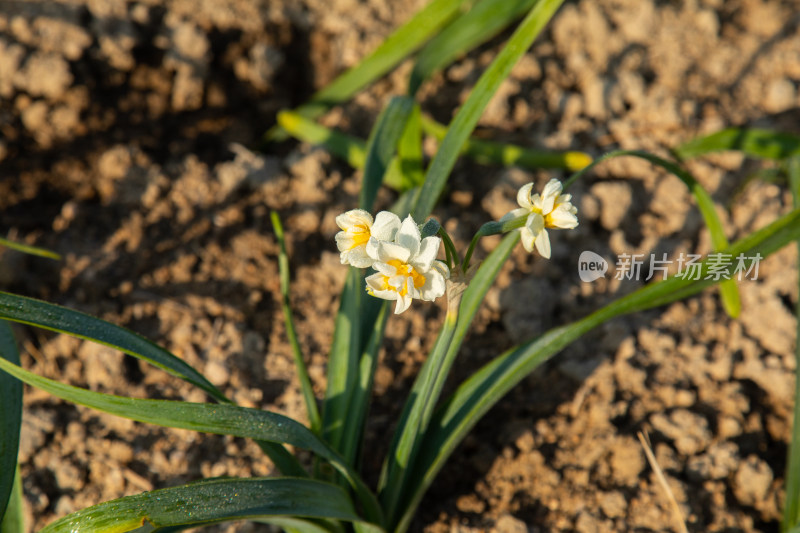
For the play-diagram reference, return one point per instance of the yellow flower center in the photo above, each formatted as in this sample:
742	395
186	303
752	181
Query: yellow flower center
403	269
360	233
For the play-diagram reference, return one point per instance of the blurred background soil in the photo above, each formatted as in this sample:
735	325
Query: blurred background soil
128	143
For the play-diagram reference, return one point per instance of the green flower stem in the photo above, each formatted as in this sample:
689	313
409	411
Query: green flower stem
449	248
413	422
492	228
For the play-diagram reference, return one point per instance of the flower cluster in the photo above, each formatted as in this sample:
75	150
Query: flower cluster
405	263
551	209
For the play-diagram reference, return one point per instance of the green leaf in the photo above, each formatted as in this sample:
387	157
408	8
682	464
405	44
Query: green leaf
508	155
728	291
220	419
486	19
382	145
764	144
302	371
212	501
355	420
31	250
343	359
349	148
63	320
483	389
14	519
10	417
400	44
405	171
467	117
791	510
470	303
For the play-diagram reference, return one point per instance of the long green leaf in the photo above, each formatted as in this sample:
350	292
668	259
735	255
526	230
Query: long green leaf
507	155
399	45
382	145
791	510
299	363
212	501
221	419
27	249
764	144
486	19
728	291
351	149
10	417
63	320
14	519
355	421
484	388
406	171
467	118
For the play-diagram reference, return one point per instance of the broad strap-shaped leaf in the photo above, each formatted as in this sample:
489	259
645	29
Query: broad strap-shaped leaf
382	145
349	148
791	510
10	416
483	21
467	117
728	290
484	389
394	484
399	45
406	170
14	519
764	144
508	155
30	250
211	501
221	419
63	320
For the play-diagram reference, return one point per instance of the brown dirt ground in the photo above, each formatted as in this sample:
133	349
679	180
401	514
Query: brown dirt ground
126	138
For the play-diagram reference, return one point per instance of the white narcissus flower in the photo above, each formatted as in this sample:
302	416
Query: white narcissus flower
407	267
551	209
357	228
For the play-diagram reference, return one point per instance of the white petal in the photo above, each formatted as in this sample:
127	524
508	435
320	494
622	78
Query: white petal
403	303
353	217
527	238
384	269
398	282
551	192
535	223
516	213
385	295
385	226
562	217
375	282
524	196
386	251
434	286
408	237
543	244
442	269
428	251
358	257
344	241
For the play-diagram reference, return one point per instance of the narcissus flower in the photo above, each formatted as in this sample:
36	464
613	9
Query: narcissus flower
406	267
357	228
551	209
